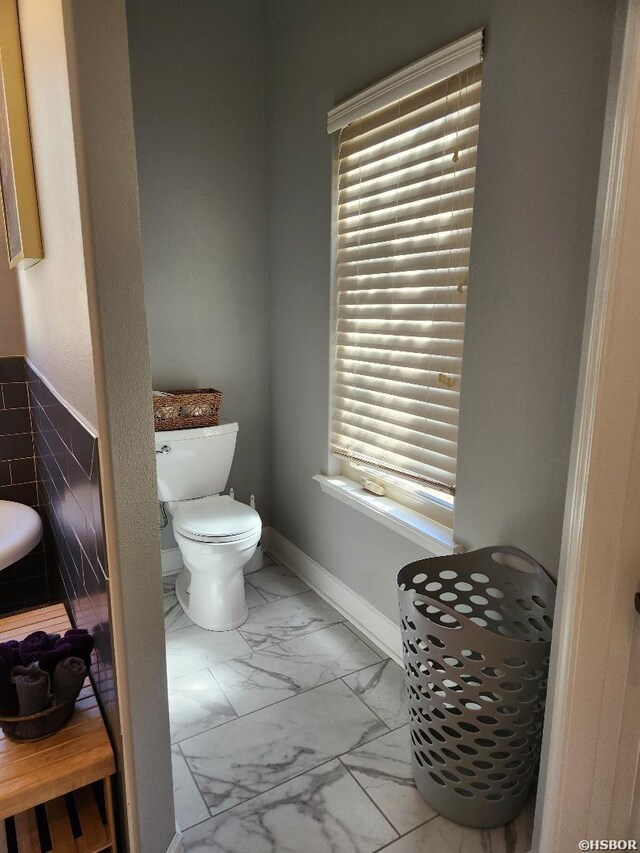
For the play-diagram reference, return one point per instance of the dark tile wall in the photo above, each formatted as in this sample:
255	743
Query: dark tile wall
69	472
25	583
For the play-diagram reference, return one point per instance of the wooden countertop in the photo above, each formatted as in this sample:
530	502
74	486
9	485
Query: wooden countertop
80	753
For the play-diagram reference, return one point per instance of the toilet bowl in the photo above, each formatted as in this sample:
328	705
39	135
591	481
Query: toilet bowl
216	535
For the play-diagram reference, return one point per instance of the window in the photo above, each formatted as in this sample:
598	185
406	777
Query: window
404	185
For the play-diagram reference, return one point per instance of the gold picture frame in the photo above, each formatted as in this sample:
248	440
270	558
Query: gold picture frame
17	178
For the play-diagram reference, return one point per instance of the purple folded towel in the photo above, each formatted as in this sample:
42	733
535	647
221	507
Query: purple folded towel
81	643
50	658
68	679
33	687
32	646
10	652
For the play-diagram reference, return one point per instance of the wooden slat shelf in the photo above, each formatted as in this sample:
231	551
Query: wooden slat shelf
76	823
35	776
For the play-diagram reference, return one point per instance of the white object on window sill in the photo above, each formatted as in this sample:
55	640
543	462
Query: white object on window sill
434	537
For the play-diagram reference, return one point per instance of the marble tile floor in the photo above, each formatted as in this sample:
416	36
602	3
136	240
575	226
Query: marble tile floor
290	734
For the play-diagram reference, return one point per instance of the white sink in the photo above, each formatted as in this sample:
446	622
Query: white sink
20	532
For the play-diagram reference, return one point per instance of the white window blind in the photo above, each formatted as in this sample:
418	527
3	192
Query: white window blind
405	185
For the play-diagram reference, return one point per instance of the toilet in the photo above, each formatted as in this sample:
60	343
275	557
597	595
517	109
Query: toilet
216	534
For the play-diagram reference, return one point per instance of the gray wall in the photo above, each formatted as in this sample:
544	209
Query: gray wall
545	78
198	93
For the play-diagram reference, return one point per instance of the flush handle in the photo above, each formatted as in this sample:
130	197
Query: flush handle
636	601
166	448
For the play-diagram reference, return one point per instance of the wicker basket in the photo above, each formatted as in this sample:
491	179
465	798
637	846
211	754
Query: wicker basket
40	725
187	409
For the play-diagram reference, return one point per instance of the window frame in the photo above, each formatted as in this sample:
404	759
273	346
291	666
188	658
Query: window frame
438	508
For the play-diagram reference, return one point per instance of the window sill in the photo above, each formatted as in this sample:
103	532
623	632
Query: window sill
434	537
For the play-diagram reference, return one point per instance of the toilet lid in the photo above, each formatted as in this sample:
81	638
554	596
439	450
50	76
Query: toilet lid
215	517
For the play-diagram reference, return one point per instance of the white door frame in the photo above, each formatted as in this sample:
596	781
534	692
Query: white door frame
586	772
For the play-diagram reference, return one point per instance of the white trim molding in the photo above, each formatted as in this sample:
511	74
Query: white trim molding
590	749
90	428
434	537
442	63
176	845
381	630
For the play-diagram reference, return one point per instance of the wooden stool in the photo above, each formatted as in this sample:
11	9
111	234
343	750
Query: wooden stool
55	793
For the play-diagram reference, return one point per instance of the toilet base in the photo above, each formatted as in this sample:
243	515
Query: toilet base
183	594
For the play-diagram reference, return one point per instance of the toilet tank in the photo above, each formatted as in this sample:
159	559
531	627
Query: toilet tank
194	463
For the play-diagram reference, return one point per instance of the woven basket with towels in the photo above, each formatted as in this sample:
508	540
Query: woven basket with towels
187	409
41	677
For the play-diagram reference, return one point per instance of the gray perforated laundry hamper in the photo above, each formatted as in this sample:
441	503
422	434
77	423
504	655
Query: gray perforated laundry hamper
476	632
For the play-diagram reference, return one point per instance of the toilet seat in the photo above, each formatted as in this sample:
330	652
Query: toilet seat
217	518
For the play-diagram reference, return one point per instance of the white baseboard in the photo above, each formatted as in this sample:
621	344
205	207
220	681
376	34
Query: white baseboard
384	632
171	561
176	845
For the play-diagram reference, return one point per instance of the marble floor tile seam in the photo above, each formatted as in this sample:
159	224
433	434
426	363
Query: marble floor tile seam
278	640
323	761
281	701
375	713
190	772
275	642
373	739
227	811
171	593
287	698
282	642
415	828
214	725
261	793
218	725
259	607
368	796
399	833
375	649
255	607
362	636
280	597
